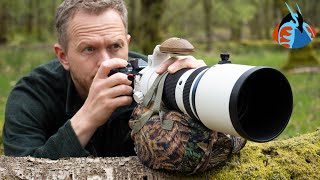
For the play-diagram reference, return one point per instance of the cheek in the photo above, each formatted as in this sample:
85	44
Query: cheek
125	52
82	77
84	72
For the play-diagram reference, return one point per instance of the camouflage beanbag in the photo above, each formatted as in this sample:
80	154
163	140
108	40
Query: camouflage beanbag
170	140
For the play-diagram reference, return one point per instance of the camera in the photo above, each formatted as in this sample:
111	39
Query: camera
254	102
134	66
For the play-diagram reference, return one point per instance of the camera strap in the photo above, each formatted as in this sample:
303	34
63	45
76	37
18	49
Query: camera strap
153	99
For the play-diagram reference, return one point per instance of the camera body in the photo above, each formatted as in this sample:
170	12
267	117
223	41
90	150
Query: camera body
142	73
135	65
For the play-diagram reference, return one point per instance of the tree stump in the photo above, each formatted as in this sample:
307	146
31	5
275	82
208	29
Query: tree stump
76	168
295	158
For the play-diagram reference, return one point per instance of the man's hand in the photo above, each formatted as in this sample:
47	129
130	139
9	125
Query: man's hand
174	64
106	94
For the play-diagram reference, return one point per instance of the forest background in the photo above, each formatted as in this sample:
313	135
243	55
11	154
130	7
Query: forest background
242	28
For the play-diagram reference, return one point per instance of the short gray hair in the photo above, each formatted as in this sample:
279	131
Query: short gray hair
69	7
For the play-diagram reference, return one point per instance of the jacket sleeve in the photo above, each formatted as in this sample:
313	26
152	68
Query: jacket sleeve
31	126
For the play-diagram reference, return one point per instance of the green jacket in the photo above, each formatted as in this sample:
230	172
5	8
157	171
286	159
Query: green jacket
37	118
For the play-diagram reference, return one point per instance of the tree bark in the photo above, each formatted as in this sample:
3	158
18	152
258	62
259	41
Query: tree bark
76	168
295	158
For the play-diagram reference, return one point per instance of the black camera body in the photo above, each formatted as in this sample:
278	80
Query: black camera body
134	66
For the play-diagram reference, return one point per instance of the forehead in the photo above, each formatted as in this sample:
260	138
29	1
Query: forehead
104	23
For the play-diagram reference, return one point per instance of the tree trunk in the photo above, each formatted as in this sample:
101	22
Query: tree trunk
132	17
134	26
297	57
30	17
268	20
236	32
39	23
253	26
76	168
51	24
295	158
207	21
4	16
151	13
302	57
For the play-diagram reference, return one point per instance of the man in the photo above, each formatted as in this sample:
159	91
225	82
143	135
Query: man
70	107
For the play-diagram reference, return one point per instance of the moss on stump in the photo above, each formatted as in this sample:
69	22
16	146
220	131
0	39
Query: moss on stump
301	57
295	158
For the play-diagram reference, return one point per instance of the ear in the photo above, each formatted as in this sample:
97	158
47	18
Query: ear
128	38
61	55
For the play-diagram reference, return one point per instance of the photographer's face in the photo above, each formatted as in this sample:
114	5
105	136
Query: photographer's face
92	40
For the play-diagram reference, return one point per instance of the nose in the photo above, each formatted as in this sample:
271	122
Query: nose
104	55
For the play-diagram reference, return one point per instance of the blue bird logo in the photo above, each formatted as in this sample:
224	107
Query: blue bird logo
293	32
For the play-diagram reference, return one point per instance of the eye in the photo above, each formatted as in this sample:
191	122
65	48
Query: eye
115	47
89	49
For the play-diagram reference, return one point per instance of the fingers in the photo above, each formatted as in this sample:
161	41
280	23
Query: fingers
177	63
122	101
117	79
117	96
106	66
121	90
165	64
111	92
108	89
102	102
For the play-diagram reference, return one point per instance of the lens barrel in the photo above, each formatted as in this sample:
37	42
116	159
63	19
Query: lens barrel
253	102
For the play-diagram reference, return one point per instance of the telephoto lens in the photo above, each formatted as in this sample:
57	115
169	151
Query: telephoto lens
254	102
